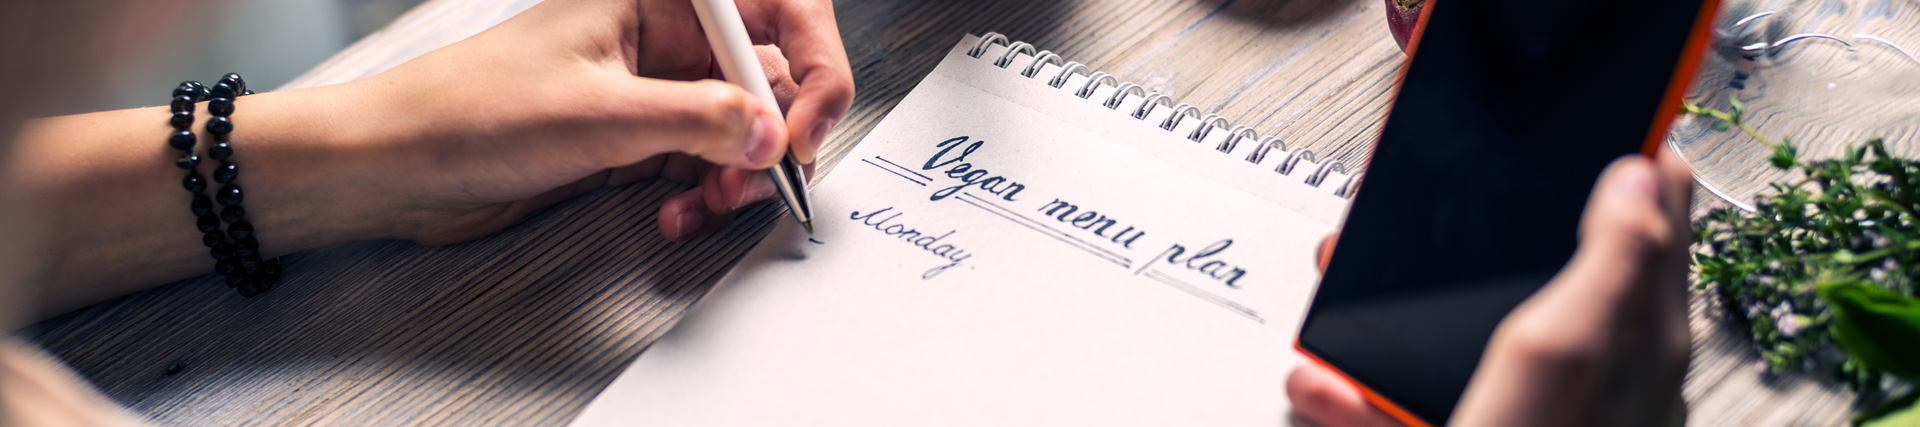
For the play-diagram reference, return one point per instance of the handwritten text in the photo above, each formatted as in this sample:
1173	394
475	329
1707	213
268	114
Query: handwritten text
1091	221
967	173
1203	261
925	241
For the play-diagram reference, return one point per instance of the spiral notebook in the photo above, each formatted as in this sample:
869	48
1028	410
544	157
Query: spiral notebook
1020	241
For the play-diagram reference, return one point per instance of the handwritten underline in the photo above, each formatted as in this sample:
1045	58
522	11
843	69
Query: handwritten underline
896	169
1017	218
1204	295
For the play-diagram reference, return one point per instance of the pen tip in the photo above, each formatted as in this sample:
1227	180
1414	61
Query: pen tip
807	225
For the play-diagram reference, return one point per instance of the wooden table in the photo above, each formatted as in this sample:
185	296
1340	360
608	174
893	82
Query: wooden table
525	327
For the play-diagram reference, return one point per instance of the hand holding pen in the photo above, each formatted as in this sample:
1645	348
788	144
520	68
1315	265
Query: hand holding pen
643	104
800	53
733	51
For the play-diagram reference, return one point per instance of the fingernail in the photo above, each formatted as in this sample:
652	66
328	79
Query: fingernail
819	136
758	187
684	227
766	140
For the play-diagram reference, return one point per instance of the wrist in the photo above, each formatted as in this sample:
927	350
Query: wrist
402	122
312	172
114	219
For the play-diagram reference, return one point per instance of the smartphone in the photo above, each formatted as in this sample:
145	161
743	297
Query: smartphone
1505	118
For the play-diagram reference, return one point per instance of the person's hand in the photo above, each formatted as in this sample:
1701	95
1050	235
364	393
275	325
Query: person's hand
573	95
567	97
1604	343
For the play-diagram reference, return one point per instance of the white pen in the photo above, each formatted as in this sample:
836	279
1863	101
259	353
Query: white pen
734	51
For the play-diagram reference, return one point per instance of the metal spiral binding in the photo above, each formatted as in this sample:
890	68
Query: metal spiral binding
1206	127
1266	145
1235	133
986	41
1233	139
1179	111
1093	82
1293	158
1353	185
1146	108
1066	71
1320	175
1013	50
1039	60
1120	95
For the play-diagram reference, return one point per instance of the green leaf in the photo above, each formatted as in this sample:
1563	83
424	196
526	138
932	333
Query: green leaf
1878	327
1908	417
1738	107
1784	155
1721	126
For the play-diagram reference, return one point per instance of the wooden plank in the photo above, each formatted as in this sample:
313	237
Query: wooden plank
1823	94
524	327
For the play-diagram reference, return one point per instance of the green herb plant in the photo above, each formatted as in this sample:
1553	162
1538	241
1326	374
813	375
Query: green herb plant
1824	269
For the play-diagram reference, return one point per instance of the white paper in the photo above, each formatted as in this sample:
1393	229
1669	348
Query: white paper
992	310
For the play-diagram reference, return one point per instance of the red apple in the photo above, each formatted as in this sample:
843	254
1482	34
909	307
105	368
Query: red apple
1403	17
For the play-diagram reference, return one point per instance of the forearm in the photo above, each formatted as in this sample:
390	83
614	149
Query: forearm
118	216
451	146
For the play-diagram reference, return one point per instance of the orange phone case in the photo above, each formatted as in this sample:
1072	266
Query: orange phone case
1656	134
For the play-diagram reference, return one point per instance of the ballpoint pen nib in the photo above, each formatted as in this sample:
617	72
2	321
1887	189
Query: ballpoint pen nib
807	225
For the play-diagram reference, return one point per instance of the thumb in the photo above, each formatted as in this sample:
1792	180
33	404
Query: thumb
1624	216
716	121
1606	338
1634	230
1625	243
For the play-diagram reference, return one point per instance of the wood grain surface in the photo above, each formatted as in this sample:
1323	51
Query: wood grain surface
526	326
1827	95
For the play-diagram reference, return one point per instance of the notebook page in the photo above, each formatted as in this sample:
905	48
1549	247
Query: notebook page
990	255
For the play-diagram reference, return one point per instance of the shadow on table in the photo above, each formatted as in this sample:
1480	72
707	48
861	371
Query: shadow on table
1285	13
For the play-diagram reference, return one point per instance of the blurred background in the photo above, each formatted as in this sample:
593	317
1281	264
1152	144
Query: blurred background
268	41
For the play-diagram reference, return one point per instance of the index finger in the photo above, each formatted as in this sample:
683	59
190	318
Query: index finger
805	30
1321	396
1323	254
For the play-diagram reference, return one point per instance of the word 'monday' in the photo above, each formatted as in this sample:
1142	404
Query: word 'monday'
923	240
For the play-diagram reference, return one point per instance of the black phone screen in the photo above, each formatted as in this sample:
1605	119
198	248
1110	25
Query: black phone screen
1472	200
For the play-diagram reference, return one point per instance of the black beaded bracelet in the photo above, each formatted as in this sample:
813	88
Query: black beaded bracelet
235	251
184	98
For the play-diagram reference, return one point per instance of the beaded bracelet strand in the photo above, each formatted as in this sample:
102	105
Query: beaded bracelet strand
243	267
235	251
184	98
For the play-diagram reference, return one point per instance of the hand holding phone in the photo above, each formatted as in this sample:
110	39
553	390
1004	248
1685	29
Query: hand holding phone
1474	200
1604	343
